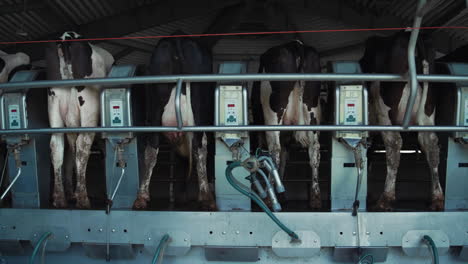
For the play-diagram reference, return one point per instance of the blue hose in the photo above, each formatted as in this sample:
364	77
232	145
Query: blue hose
162	244
38	245
431	243
366	259
256	199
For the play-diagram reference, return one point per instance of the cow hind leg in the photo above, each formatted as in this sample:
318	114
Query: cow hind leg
88	100
57	149
205	195
393	143
70	157
83	150
429	144
274	146
315	200
284	156
151	157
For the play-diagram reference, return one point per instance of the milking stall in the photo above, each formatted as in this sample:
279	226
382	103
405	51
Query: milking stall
234	131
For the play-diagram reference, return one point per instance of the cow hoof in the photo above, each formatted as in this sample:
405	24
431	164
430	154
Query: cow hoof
437	204
59	200
268	203
315	200
384	204
71	197
83	203
208	206
315	204
140	203
59	203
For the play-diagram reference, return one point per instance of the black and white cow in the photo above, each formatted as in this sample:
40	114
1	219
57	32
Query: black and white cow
74	107
290	103
174	56
388	102
9	62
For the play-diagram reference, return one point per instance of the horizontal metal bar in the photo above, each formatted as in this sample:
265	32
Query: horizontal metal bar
227	228
229	77
230	128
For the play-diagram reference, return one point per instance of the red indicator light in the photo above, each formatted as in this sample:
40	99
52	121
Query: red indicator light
14	110
116	107
350	104
231	105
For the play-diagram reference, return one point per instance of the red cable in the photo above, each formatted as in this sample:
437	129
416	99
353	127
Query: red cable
232	34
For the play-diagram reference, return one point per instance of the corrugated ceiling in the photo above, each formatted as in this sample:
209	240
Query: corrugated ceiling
37	25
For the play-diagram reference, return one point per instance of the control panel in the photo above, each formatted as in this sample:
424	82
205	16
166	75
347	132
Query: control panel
13	108
231	105
351	101
13	104
351	107
115	102
14	117
116	113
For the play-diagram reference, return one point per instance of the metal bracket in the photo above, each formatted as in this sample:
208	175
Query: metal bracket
352	254
413	245
179	245
309	245
378	253
345	254
59	240
233	254
464	253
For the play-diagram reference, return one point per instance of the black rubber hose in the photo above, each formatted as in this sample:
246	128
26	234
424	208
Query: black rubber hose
433	247
256	199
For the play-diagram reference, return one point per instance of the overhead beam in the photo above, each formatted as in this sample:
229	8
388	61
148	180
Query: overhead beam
441	40
135	20
278	18
136	45
16	8
342	11
123	53
340	50
60	16
364	18
227	19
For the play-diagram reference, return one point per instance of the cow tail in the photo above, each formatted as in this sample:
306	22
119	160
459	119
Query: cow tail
190	157
180	51
256	109
300	50
424	60
189	135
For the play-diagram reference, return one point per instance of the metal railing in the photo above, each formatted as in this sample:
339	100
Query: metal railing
413	79
412	62
180	79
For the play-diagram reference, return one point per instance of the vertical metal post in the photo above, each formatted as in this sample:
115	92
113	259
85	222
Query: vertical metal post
412	63
177	103
245	104
171	180
337	105
366	106
216	109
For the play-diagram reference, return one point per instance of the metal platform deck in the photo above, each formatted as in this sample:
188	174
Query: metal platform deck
327	236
